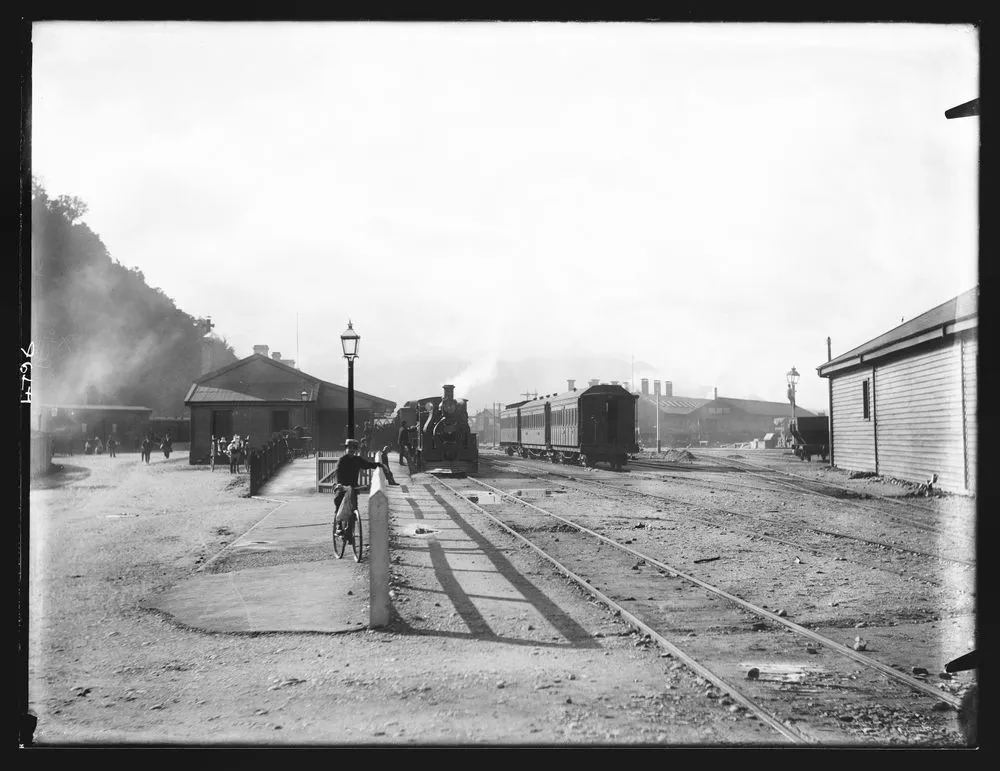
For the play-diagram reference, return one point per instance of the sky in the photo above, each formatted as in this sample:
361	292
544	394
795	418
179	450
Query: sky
708	201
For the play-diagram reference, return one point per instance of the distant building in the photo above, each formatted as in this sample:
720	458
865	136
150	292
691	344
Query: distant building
260	395
687	420
904	404
70	425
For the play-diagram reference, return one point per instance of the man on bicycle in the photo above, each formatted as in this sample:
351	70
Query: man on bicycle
349	466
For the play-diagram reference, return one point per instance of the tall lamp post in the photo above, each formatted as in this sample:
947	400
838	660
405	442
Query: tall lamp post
792	376
349	340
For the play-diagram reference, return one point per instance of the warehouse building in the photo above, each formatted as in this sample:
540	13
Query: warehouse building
685	420
903	405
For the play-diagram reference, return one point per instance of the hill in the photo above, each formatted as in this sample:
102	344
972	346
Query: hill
101	334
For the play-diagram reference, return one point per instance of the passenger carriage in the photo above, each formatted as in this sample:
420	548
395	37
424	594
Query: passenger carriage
587	426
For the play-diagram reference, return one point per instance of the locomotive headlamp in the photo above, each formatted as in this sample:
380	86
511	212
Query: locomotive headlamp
349	339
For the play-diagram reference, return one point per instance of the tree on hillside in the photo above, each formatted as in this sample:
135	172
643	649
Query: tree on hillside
100	332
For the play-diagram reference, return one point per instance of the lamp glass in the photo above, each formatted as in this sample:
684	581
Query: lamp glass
793	376
349	340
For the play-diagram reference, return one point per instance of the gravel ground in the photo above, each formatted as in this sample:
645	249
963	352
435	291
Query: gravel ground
107	535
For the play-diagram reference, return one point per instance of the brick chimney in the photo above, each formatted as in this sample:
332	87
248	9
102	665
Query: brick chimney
668	388
645	386
276	356
716	393
260	349
594	381
570	385
656	388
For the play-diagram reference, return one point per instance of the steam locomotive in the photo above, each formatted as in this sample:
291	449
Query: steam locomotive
594	425
440	436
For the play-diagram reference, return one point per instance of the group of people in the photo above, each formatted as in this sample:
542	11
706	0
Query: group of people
149	441
96	447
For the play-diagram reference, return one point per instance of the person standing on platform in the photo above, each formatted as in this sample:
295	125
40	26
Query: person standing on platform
403	441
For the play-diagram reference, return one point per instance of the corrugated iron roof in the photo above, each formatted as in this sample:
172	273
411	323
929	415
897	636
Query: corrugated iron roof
202	393
756	407
675	405
965	306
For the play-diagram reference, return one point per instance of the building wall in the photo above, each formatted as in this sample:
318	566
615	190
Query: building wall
970	369
918	407
923	416
201	429
854	436
248	419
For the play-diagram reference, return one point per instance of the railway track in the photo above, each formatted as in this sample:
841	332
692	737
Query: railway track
777	478
755	520
807	686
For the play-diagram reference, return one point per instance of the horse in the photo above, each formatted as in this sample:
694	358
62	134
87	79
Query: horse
237	454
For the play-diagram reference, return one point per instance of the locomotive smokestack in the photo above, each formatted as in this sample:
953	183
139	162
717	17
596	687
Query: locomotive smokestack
449	392
570	385
656	388
645	386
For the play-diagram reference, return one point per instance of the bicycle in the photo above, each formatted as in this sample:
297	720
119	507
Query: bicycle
354	529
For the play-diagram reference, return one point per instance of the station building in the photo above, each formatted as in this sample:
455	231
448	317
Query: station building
261	395
903	405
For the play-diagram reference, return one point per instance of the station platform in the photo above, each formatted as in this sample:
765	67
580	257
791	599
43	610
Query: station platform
282	575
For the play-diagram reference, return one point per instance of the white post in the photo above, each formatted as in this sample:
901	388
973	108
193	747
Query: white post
378	551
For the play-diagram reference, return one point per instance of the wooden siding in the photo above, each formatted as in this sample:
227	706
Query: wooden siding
853	434
970	369
918	409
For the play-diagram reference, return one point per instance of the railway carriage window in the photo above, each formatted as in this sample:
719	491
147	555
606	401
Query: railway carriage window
865	402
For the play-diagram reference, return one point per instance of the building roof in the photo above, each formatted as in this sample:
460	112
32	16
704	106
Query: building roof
208	394
675	405
956	314
199	393
757	407
96	407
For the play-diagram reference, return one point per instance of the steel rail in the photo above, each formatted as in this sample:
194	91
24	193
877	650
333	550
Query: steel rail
746	463
833	645
787	731
804	526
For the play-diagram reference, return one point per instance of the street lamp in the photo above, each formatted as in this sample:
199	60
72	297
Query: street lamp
792	376
349	339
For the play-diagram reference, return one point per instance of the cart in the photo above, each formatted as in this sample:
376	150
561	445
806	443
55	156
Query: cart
812	437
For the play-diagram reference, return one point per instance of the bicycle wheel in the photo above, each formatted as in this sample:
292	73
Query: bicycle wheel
358	538
339	544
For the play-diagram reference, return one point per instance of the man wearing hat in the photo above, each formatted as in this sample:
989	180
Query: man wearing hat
349	466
